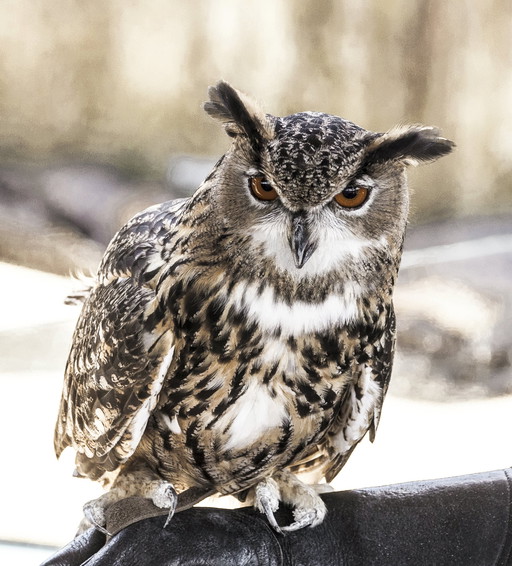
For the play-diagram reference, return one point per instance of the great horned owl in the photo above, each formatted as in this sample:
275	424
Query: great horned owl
243	334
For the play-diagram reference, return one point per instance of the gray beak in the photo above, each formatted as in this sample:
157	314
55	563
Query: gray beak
301	242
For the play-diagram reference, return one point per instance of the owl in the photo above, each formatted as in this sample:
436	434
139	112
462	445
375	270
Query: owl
236	338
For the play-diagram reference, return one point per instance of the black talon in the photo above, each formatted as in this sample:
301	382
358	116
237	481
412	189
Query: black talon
169	517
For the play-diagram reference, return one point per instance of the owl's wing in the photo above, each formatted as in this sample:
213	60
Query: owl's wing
361	404
120	352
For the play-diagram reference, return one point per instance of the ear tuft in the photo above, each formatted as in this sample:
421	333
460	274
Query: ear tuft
239	114
410	144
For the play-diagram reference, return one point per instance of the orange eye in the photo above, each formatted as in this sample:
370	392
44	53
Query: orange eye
352	197
262	189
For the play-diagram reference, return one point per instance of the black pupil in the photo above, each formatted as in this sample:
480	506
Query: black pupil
349	192
265	185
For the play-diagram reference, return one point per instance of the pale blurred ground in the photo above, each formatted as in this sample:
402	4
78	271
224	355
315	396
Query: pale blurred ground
41	502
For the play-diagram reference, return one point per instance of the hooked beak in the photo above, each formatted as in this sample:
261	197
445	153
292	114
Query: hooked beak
301	242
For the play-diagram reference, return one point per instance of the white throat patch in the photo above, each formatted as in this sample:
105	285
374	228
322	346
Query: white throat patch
297	318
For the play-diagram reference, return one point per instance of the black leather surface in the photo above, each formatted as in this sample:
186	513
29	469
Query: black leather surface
463	521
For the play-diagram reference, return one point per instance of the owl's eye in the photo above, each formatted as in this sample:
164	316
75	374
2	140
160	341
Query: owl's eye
262	189
352	197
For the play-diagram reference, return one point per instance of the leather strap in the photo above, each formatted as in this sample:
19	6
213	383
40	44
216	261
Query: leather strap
127	511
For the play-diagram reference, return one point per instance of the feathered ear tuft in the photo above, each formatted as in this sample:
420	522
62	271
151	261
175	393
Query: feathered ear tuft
239	114
410	144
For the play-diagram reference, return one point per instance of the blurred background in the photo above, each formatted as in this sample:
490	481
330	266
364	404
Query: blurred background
101	115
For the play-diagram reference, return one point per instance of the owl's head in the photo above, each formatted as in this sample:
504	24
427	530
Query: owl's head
311	188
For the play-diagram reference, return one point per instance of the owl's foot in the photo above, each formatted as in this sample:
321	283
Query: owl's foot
165	497
95	512
140	484
266	500
308	508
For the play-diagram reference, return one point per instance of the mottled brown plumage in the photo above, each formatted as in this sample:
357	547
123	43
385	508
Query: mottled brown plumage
235	337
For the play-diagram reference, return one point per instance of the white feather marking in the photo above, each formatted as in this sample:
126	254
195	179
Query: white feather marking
251	415
173	425
99	423
155	261
278	351
362	411
217	381
299	317
273	351
140	418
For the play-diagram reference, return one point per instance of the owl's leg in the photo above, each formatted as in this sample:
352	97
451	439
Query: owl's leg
308	508
136	481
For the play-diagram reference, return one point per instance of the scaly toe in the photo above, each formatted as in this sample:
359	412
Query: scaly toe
165	497
265	506
267	499
94	513
306	518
